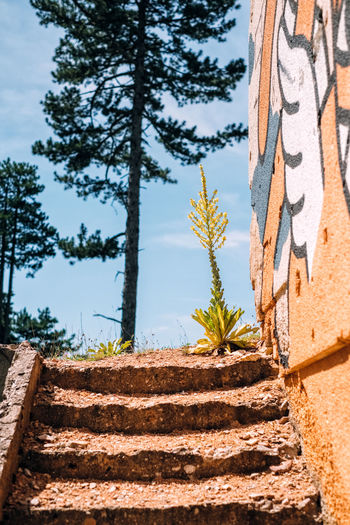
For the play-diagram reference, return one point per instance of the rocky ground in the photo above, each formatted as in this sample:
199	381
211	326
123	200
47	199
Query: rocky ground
162	438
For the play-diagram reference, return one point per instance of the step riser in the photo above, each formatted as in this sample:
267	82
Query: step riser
126	476
146	465
229	514
160	380
157	419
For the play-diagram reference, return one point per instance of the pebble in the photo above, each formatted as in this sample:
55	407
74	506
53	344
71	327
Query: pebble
35	501
283	467
266	506
45	437
27	472
179	449
250	357
303	503
254	495
92	485
223	452
189	469
261	448
75	444
267	397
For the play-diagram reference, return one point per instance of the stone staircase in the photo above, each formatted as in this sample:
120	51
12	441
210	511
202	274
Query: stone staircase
162	438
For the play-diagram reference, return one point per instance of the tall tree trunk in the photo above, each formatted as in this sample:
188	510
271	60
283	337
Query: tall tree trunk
2	268
10	287
133	204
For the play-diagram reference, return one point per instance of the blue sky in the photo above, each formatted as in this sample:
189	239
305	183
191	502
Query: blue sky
174	274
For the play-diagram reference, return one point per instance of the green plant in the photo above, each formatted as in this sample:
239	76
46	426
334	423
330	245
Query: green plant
27	238
218	321
42	333
110	349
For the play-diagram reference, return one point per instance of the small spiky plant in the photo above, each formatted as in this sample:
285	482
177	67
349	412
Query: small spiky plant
218	321
111	349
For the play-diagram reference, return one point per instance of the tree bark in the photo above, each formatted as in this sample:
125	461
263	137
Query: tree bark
2	269
10	287
128	323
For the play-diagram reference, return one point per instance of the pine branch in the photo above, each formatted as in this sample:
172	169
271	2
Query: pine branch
109	318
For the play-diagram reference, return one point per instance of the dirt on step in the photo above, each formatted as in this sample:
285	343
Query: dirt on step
42	491
155	358
159	372
160	438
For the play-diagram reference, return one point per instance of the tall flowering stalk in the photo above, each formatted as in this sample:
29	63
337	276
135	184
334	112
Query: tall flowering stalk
209	225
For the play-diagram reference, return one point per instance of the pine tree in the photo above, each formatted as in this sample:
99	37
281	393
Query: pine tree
116	61
90	247
41	332
26	237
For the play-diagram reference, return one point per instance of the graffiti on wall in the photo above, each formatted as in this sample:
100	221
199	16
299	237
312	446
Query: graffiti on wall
300	173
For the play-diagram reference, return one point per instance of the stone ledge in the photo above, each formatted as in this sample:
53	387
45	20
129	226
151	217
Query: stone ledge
21	382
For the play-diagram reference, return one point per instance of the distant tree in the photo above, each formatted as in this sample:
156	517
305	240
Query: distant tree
41	333
26	237
116	61
91	247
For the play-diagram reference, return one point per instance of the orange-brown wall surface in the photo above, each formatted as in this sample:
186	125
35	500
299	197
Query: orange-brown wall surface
320	399
299	169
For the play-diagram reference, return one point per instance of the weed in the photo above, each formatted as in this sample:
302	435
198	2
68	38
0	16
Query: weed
219	321
112	348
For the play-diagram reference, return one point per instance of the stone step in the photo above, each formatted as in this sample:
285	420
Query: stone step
73	453
166	371
268	498
160	413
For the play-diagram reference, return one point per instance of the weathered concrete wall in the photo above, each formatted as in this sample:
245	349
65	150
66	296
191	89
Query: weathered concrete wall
299	120
6	356
20	385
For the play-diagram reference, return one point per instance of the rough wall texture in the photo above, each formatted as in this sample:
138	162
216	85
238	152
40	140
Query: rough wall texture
299	120
19	387
6	356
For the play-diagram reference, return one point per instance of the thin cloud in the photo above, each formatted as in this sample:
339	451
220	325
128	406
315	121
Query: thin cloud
236	238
